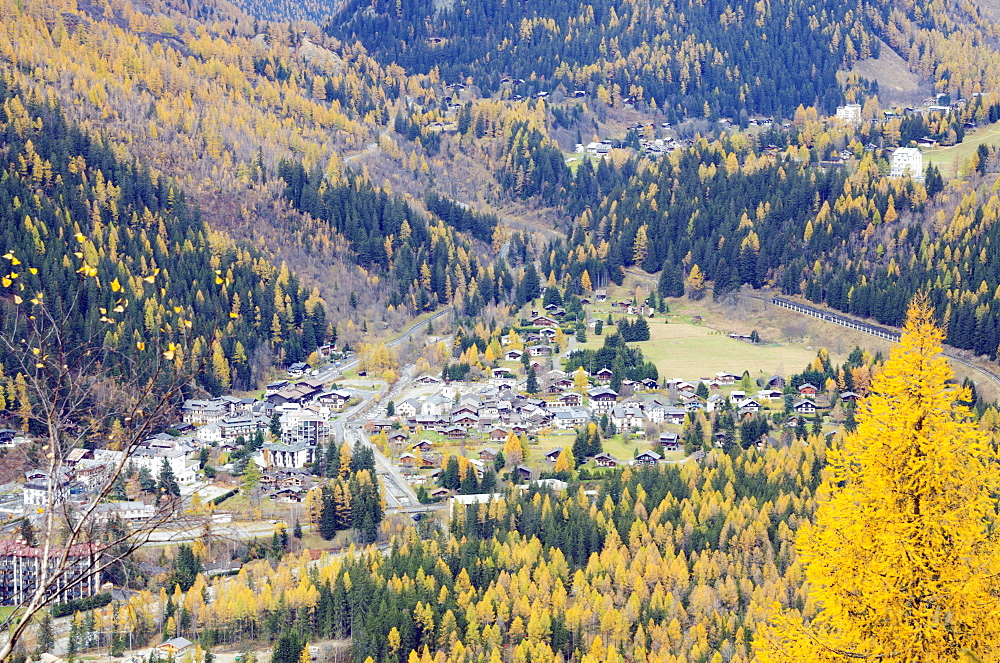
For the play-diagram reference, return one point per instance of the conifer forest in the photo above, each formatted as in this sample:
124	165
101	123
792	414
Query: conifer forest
441	331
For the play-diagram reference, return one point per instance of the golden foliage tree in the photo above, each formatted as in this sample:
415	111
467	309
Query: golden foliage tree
695	283
512	450
903	557
564	462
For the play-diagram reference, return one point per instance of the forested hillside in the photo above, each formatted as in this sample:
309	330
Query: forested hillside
684	58
666	564
136	236
226	192
200	95
858	241
697	58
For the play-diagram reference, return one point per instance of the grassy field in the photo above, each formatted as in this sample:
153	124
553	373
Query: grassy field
622	449
681	349
546	442
948	159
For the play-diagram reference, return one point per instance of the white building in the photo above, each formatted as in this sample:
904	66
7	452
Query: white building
627	416
570	418
907	162
304	426
39	489
234	427
408	408
152	460
849	113
204	412
435	405
127	511
23	565
210	433
276	455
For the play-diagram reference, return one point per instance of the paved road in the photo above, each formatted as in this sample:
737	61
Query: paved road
234	531
329	372
369	148
347	427
398	493
882	331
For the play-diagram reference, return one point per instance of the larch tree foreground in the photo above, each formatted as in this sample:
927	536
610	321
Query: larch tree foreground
903	562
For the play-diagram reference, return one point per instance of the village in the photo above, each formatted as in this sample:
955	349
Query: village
286	429
294	421
248	466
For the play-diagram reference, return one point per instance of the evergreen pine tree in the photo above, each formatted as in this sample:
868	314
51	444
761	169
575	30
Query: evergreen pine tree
581	449
450	478
489	483
332	459
470	482
167	484
532	383
594	446
328	515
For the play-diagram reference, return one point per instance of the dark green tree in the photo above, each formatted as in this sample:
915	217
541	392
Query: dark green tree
470	482
594	445
288	648
327	515
489	483
27	532
186	568
167	483
146	481
450	478
532	383
46	637
332	468
581	448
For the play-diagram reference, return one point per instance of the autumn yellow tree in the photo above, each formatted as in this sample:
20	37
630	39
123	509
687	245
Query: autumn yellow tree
903	558
564	463
512	450
695	282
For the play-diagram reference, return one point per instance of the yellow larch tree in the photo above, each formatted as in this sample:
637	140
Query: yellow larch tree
512	450
564	463
695	283
903	558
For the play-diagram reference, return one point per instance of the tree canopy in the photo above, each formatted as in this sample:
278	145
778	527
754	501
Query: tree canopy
903	558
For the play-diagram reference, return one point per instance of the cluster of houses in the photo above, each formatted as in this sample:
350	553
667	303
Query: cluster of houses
85	471
303	410
491	414
498	409
286	485
744	403
652	148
